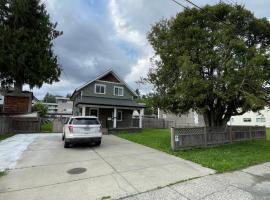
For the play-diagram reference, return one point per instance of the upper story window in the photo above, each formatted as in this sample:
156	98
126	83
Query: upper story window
118	91
100	89
260	119
246	119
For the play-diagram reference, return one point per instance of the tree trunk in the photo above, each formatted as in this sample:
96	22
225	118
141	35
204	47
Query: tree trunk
213	119
18	87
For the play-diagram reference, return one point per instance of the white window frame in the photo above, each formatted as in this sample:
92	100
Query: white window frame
101	85
245	118
121	115
260	119
118	91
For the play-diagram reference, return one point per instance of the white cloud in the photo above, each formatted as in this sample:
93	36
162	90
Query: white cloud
95	30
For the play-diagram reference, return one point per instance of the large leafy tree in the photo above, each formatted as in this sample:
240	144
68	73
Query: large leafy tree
214	61
26	34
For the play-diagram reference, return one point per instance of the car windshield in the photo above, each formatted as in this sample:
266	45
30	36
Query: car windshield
85	121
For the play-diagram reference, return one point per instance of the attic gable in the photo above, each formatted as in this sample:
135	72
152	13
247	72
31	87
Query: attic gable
110	78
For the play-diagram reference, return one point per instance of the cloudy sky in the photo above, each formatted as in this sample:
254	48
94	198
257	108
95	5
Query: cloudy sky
103	34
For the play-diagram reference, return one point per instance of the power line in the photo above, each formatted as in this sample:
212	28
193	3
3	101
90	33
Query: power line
231	1
198	7
180	4
206	12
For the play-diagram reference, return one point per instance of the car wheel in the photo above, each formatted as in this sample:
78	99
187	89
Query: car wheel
98	143
66	144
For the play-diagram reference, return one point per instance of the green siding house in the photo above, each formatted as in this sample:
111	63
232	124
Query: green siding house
110	99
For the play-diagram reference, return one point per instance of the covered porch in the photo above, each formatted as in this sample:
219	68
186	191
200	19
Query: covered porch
114	114
114	117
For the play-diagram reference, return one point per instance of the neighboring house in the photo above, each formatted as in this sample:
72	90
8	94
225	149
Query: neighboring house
261	118
65	105
189	119
62	107
110	99
52	107
13	102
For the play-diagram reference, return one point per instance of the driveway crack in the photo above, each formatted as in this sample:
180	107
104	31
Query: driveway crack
116	173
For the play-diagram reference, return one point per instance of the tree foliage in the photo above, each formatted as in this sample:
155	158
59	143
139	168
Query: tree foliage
151	108
41	109
26	34
214	61
49	98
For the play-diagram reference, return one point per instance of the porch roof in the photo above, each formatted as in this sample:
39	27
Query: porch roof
108	102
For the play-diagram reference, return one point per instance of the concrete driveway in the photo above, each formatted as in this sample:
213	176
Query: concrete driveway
116	169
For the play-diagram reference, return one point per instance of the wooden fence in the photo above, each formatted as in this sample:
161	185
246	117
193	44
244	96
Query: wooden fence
186	138
156	123
19	124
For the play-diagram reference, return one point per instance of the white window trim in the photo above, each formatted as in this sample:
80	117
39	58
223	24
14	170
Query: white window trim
260	120
245	118
121	115
118	90
100	85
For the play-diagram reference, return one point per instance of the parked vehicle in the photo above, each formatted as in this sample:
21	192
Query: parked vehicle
82	129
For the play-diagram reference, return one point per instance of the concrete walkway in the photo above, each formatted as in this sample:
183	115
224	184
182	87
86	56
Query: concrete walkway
247	184
116	169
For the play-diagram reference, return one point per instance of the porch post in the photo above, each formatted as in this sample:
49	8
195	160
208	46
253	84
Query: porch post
83	111
114	117
141	117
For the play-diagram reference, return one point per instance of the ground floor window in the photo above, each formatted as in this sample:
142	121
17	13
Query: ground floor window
119	115
91	111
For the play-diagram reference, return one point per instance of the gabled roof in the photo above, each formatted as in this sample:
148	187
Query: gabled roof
101	76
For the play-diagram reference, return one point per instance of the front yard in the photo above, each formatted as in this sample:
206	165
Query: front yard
222	158
6	135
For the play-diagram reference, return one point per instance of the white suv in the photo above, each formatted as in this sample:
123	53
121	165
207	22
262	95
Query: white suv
82	129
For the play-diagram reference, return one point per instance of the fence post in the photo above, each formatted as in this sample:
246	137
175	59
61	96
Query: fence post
230	132
249	130
205	136
264	130
172	138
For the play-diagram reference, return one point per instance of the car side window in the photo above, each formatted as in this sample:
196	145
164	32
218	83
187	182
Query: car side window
66	121
71	120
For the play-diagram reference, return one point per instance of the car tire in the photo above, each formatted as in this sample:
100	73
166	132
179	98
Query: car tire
66	144
98	143
63	137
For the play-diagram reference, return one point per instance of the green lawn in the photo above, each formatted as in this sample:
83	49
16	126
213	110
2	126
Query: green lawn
222	158
3	173
46	127
268	133
6	135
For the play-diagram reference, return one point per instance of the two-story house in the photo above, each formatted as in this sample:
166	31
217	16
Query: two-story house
110	99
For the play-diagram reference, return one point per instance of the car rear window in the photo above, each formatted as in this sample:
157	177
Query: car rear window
85	121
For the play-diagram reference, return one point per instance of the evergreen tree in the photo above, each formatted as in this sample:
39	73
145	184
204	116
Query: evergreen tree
26	53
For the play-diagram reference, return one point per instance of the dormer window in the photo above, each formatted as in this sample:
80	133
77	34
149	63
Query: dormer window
100	89
118	91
